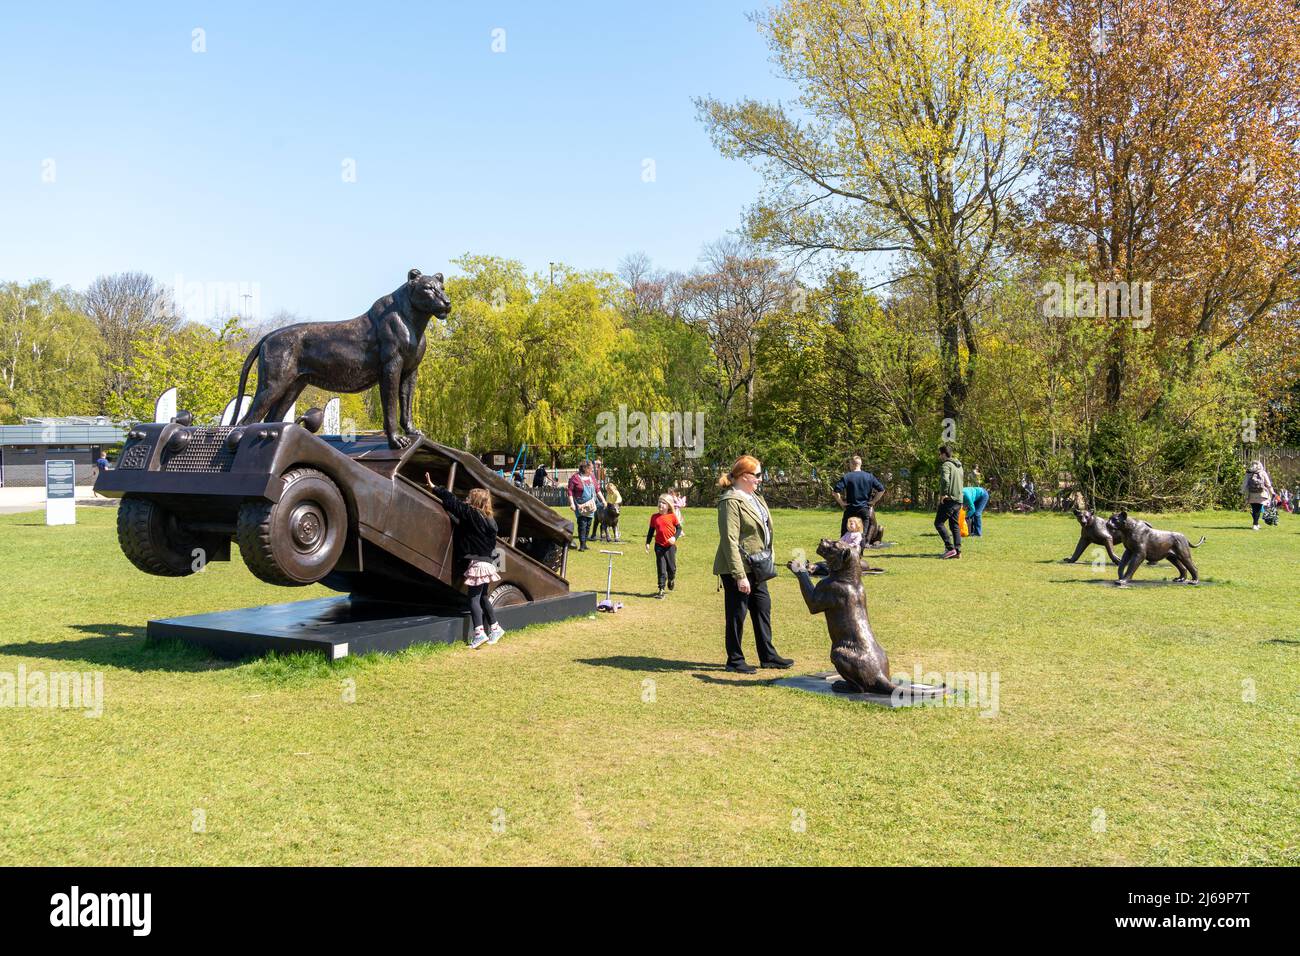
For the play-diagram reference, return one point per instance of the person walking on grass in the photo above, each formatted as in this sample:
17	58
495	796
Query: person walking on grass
474	541
857	492
583	494
745	533
664	531
951	479
678	500
976	499
1257	486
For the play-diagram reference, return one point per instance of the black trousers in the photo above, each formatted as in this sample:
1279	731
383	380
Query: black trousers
666	563
1255	509
945	521
856	511
479	608
757	603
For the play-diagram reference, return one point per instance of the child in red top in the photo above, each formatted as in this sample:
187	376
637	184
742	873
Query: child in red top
665	529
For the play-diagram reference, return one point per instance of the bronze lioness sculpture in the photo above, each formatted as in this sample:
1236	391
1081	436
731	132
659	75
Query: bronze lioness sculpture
857	657
1145	543
384	345
1092	530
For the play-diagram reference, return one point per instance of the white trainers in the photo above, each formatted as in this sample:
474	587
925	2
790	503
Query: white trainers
496	633
477	639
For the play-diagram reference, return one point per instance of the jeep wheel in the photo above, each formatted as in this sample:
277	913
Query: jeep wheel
298	539
507	595
154	543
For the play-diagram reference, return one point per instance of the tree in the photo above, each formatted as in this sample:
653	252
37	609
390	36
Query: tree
127	308
1175	164
522	359
50	353
919	122
200	362
728	299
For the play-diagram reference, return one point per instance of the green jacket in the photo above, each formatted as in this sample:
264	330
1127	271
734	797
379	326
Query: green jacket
951	479
740	527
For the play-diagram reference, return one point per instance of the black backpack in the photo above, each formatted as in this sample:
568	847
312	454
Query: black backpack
1254	483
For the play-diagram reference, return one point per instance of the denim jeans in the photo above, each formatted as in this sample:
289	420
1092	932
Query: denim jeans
584	527
975	517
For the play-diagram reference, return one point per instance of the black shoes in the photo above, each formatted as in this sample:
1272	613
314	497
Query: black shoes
780	663
672	582
742	668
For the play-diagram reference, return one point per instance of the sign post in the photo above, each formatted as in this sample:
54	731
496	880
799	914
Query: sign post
60	492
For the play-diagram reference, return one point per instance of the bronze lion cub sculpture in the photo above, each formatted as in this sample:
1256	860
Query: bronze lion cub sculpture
859	659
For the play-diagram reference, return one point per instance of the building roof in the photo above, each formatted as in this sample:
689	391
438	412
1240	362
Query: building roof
73	430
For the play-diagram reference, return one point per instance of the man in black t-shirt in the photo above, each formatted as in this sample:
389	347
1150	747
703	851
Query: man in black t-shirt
539	476
857	493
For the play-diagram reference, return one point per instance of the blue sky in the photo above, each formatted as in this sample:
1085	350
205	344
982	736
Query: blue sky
227	166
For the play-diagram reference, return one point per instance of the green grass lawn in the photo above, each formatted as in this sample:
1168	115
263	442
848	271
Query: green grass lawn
620	739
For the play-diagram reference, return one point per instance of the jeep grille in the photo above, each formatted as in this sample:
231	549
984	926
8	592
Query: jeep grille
206	452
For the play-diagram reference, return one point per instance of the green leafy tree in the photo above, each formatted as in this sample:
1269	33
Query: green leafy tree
917	124
50	353
200	362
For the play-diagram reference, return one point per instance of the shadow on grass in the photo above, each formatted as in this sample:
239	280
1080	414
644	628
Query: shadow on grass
1135	583
124	646
738	681
121	645
1281	640
653	664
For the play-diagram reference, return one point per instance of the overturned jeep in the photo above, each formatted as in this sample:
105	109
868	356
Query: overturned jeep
350	513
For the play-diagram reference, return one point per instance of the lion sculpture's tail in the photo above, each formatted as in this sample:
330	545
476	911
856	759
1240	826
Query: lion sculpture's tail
243	378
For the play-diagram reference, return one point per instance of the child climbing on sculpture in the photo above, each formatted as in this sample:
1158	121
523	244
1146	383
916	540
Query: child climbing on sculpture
475	540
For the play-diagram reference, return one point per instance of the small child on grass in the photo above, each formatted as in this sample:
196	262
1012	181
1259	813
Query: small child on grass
665	529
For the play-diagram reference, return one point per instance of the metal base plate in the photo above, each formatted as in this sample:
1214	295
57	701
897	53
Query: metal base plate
340	626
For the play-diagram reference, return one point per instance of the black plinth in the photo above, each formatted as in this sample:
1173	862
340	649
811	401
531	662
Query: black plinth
339	626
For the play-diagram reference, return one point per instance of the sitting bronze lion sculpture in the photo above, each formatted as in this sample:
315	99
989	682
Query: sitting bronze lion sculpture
384	345
858	658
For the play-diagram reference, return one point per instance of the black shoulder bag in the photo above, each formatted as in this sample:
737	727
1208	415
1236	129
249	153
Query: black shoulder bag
760	565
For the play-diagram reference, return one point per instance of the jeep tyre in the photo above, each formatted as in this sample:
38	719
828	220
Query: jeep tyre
298	539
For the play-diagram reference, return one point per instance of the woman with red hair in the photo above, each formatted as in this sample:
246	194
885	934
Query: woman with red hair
745	563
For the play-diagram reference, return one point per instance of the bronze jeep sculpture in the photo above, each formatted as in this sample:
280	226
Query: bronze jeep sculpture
352	514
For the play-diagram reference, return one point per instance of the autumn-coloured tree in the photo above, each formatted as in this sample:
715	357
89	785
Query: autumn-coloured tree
1175	162
917	122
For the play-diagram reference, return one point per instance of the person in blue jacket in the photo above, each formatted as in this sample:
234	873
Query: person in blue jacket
976	499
